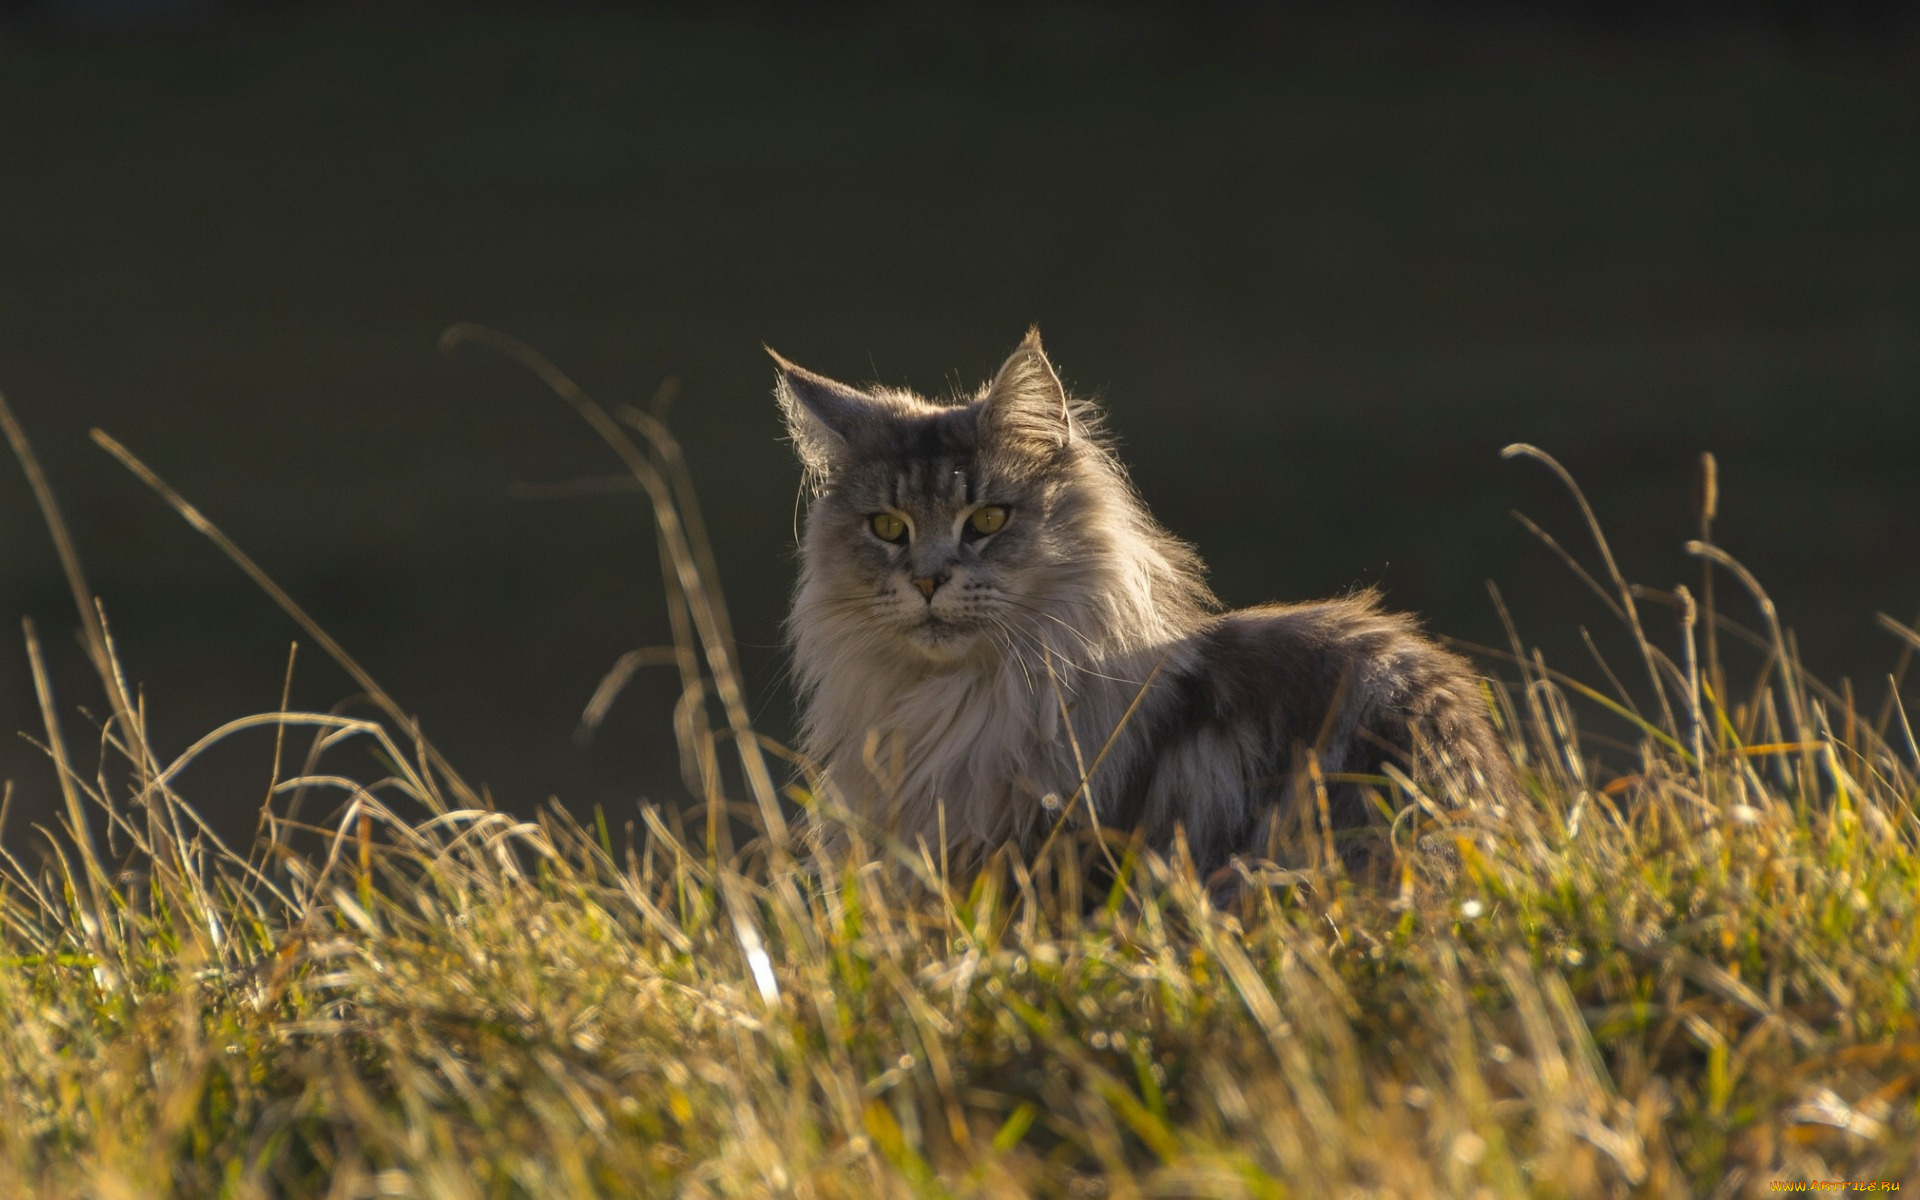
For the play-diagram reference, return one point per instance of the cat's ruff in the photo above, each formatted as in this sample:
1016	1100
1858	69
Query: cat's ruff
967	681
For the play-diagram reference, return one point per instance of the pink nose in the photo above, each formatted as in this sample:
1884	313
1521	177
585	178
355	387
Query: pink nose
926	584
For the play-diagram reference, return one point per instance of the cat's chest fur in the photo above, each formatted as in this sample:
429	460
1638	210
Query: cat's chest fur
980	750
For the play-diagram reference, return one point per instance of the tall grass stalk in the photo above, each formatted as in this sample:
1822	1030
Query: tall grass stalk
1691	974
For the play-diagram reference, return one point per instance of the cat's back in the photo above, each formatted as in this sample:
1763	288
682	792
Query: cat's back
1346	679
1295	670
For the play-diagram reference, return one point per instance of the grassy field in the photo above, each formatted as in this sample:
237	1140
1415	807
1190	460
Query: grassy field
1692	973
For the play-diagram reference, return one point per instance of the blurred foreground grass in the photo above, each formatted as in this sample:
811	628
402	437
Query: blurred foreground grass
1692	976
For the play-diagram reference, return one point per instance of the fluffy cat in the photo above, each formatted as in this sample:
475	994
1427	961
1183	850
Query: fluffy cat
991	633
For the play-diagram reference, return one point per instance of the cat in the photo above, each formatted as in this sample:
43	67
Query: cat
991	635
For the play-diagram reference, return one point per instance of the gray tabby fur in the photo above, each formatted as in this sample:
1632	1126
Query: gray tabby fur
992	697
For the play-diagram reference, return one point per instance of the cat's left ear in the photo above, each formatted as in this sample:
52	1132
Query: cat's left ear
1026	401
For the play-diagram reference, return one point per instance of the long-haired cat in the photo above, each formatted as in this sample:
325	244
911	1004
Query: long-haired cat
991	634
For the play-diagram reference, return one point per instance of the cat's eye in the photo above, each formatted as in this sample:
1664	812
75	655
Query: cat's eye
987	520
888	527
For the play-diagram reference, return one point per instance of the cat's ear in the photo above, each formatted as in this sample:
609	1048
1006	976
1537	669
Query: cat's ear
823	416
1026	402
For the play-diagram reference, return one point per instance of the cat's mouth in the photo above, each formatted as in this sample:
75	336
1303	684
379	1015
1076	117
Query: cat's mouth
942	636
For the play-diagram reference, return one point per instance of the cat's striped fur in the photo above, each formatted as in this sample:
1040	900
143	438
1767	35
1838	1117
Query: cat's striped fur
974	683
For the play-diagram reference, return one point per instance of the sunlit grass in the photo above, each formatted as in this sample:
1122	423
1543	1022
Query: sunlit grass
1691	974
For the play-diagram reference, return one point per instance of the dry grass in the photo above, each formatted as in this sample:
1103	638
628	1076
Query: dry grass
1691	978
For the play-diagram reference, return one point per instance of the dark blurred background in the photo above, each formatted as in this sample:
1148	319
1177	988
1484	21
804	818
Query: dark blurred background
1321	261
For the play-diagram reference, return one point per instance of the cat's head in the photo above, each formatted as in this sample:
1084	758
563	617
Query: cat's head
954	529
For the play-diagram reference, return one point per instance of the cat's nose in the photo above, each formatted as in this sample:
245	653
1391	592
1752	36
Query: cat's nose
929	583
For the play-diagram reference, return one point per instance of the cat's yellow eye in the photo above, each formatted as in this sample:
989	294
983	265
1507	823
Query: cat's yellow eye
888	527
988	519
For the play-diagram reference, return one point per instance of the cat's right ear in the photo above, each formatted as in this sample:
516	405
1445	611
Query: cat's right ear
823	416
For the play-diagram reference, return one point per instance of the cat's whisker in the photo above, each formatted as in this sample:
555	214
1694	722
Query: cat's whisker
1066	660
1040	612
1031	640
1007	635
